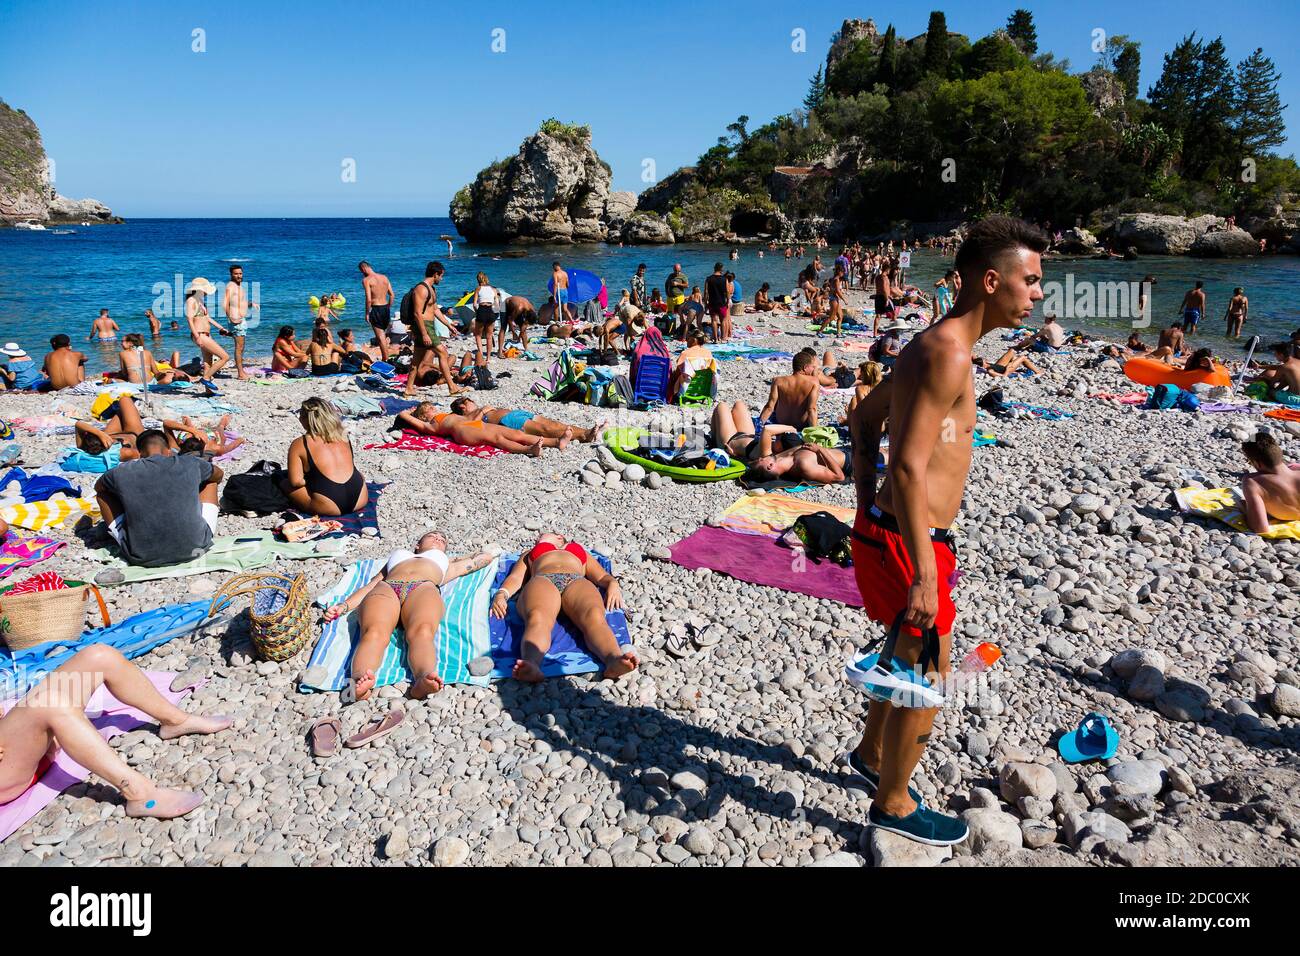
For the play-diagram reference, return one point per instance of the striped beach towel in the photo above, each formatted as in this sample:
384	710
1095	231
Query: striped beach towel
771	514
462	636
39	515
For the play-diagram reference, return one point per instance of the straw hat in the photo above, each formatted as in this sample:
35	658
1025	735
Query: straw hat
200	284
13	350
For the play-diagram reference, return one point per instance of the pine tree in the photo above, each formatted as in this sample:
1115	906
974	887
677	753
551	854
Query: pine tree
1128	67
1020	27
887	70
816	91
1257	113
1171	97
1209	136
936	45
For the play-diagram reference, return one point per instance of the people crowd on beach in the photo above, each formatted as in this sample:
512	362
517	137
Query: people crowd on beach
907	395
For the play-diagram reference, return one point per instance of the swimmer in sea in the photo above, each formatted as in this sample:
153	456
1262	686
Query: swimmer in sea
103	329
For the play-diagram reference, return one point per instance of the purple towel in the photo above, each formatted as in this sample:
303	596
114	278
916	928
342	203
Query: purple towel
761	560
1223	407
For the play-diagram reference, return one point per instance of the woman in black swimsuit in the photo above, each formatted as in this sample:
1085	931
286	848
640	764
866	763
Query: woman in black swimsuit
733	430
326	357
323	451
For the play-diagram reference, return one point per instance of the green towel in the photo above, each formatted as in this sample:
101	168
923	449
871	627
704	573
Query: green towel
825	435
230	553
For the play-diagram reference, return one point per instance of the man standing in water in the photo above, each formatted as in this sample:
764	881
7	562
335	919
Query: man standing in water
379	302
236	306
902	543
1193	307
1238	306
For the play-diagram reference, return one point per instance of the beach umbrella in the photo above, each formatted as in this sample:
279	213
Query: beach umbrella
583	286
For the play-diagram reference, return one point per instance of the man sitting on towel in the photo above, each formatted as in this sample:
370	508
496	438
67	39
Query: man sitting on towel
1050	337
1273	490
793	398
161	509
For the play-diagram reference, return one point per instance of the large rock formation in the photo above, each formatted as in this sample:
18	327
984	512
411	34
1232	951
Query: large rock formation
555	189
25	190
1224	243
1154	235
1103	90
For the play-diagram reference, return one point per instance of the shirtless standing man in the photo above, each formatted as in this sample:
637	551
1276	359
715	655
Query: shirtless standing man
427	347
519	312
64	367
1193	307
560	283
236	307
379	302
103	329
793	398
1238	307
902	545
155	327
214	358
882	300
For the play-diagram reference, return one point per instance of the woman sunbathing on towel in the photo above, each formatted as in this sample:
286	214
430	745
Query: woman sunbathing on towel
122	425
53	716
427	420
733	429
398	595
808	462
559	576
188	438
529	423
1010	363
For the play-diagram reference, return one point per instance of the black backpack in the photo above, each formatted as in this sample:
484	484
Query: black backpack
483	378
844	378
406	311
824	536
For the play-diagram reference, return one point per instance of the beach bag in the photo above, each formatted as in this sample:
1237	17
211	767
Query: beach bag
1189	402
560	383
824	536
483	378
256	490
406	310
280	617
993	401
41	617
844	378
1164	396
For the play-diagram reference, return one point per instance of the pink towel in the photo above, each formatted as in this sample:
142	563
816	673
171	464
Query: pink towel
111	717
23	550
410	441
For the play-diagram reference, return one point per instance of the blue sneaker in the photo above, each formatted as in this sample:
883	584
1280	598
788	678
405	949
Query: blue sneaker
859	769
898	685
922	825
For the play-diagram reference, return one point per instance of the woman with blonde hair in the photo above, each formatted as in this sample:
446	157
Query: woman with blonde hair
487	303
870	374
323	477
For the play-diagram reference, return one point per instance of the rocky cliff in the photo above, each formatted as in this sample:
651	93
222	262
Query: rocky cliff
25	190
555	189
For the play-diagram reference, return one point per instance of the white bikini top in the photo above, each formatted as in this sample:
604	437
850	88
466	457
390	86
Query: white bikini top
433	556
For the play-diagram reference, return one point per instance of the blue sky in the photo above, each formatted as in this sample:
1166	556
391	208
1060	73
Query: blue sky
260	124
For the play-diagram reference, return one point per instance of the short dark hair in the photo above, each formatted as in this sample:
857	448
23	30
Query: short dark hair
640	266
363	264
433	269
344	333
717	267
1264	449
458	405
803	360
992	238
59	341
286	331
236	265
148	438
1200	284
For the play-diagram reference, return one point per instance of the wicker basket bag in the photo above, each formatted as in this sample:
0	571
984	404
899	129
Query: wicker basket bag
40	617
281	614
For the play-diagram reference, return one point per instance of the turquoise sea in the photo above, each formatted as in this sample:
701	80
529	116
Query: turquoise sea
58	280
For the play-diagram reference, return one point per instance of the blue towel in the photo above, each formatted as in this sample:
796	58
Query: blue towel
76	460
392	406
38	487
462	636
21	671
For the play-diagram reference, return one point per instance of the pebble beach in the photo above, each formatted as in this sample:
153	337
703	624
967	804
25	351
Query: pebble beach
1075	560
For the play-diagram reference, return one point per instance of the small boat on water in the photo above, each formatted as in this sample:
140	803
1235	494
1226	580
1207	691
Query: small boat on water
29	225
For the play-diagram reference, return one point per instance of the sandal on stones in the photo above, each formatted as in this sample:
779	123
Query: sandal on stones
380	727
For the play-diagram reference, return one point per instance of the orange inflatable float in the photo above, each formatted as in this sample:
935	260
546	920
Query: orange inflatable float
1153	372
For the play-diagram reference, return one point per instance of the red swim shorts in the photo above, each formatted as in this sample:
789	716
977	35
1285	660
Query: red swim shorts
884	573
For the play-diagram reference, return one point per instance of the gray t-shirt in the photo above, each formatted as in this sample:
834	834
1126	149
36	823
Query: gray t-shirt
162	523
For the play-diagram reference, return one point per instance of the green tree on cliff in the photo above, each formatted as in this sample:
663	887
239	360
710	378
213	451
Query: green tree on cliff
1257	113
887	68
1020	27
936	45
816	91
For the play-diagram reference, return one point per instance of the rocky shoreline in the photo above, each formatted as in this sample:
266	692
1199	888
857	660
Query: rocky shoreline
1101	596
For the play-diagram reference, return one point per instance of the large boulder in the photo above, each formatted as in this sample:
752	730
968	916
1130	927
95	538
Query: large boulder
618	206
667	193
555	189
1078	242
1154	235
63	209
643	228
1103	90
1224	243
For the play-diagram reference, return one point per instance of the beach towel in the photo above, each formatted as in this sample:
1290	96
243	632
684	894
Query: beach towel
110	717
761	560
133	636
22	551
76	461
99	387
236	452
1285	414
769	515
1124	398
198	408
46	424
392	406
37	486
568	653
462	635
245	552
980	438
1212	407
1039	411
39	515
356	406
412	441
1224	505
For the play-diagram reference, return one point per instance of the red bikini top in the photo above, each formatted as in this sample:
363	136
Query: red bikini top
545	547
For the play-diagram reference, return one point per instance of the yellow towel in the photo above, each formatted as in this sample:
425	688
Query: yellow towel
1224	504
771	514
39	515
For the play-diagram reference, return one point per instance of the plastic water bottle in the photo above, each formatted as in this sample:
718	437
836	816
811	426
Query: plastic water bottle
981	659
